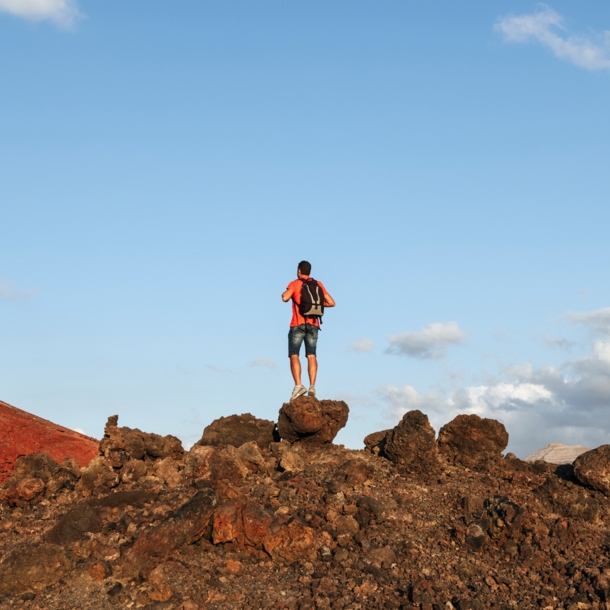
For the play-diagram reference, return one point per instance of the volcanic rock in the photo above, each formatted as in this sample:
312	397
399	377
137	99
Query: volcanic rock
297	526
593	469
411	444
472	441
375	442
186	526
311	421
120	444
556	453
22	433
31	567
239	429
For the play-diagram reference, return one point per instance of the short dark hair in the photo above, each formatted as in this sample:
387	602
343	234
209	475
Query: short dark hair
305	267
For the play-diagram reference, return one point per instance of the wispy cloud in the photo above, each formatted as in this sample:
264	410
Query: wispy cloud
361	346
554	343
546	26
264	362
430	342
62	12
8	292
217	369
598	319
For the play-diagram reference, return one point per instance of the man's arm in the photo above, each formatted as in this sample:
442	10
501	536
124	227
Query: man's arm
287	295
328	300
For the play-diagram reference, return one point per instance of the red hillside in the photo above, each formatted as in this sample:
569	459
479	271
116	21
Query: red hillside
22	433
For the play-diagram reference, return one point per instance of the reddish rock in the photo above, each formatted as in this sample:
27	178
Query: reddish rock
293	542
472	441
411	444
22	433
593	469
184	527
312	421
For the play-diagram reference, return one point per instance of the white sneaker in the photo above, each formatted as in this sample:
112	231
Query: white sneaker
299	390
312	391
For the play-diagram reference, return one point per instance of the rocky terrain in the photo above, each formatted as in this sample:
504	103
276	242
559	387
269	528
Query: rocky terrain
259	515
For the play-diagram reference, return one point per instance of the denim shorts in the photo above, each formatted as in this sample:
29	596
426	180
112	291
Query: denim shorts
296	336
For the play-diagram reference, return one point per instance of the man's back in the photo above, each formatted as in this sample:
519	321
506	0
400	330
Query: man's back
303	329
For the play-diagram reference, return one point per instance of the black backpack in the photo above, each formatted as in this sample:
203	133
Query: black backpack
312	299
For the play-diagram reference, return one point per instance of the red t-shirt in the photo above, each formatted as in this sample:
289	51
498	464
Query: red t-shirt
297	318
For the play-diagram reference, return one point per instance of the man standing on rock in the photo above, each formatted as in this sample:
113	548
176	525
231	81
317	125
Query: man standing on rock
309	297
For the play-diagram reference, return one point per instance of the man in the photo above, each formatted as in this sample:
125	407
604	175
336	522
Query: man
303	329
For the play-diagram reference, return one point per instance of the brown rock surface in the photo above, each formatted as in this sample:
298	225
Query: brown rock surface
312	421
411	444
239	429
22	433
593	469
229	527
472	441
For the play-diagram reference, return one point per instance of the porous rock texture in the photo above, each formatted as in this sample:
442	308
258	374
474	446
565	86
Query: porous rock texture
472	441
412	445
298	526
593	469
239	429
22	433
312	421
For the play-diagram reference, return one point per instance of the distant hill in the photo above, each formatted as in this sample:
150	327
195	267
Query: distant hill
556	453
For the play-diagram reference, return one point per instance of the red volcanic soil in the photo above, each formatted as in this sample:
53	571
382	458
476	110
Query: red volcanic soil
22	433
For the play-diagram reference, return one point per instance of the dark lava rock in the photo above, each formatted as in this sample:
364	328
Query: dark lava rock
593	469
569	501
184	527
76	524
239	429
312	421
411	444
375	442
472	441
120	445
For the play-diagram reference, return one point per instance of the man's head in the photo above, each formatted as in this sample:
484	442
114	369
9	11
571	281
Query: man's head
304	269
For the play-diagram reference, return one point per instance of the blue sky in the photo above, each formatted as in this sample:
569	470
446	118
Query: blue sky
444	166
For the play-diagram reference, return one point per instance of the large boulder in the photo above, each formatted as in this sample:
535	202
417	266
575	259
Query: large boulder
411	444
312	421
593	469
472	441
239	429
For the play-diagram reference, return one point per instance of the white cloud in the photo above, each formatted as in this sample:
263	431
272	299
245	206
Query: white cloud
361	346
61	12
591	52
264	362
430	342
408	398
79	430
538	405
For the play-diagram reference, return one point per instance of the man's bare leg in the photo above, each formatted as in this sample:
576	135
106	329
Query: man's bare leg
312	369
295	369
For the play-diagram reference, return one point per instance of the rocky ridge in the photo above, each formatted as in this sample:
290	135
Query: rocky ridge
305	524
